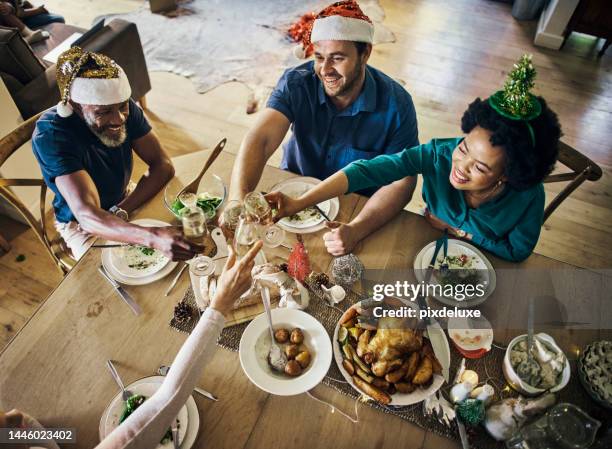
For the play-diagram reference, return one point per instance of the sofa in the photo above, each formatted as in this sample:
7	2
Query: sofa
32	83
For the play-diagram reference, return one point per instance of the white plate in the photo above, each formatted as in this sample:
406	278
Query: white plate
109	266
456	248
188	416
398	399
122	258
255	343
296	186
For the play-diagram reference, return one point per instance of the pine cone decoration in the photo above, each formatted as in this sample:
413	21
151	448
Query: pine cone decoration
182	312
319	279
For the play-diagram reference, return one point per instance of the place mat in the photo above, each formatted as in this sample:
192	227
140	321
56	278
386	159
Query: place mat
237	316
489	369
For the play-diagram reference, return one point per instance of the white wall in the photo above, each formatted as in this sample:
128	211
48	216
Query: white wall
553	21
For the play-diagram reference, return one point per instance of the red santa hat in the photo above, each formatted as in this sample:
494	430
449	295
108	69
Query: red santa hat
342	21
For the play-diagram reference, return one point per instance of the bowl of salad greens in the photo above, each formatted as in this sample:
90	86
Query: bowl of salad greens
210	196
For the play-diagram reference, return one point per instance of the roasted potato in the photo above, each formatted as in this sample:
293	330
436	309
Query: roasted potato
281	335
427	351
348	366
349	323
372	391
293	368
413	364
291	351
379	368
398	374
303	358
368	357
362	343
405	387
381	383
382	367
424	372
349	315
297	337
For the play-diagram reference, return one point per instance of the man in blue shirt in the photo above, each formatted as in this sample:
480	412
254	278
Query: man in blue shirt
84	148
339	110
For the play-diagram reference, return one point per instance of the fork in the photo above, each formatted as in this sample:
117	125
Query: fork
175	435
125	394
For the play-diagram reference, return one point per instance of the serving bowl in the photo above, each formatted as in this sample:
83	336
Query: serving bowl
519	384
255	345
210	183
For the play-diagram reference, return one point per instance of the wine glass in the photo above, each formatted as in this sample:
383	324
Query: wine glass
246	235
195	230
257	208
231	216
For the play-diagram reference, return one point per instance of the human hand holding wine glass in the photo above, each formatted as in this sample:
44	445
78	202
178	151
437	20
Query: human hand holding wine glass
195	230
257	209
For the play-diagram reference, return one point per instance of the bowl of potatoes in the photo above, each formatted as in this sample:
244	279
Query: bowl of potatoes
304	341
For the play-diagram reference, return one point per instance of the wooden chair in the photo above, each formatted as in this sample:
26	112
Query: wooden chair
582	169
8	145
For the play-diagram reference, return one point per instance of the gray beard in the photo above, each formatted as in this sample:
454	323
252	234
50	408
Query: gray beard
109	141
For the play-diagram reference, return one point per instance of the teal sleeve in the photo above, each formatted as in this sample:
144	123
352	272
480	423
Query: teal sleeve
520	242
388	168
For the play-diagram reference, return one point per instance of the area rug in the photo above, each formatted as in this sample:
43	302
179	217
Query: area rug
213	41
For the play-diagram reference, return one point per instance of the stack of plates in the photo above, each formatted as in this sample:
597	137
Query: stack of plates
309	220
188	417
129	265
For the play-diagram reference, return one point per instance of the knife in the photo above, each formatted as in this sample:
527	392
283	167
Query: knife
120	290
323	214
434	331
163	370
465	443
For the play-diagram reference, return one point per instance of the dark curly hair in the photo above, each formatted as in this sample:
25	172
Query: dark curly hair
526	165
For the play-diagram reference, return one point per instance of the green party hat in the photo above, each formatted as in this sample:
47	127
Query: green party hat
516	102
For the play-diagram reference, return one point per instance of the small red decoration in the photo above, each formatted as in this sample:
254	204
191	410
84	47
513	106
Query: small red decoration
298	264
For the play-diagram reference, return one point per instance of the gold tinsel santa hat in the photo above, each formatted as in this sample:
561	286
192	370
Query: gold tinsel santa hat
89	78
341	21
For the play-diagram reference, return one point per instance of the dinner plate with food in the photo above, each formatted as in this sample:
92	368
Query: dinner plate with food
119	410
310	219
388	359
136	264
463	277
305	343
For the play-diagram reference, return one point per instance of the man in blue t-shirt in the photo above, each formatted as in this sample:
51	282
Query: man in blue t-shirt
339	110
84	148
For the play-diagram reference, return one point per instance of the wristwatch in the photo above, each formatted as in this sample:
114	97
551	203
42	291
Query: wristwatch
121	213
460	233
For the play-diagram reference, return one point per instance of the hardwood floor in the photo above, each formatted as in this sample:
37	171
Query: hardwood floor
446	54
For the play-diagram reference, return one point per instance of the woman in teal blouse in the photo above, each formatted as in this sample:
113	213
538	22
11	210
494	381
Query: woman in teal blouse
485	187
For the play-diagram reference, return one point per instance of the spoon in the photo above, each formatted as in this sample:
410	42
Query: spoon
276	357
192	187
529	366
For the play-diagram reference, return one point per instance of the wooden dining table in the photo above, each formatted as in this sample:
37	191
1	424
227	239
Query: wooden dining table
54	368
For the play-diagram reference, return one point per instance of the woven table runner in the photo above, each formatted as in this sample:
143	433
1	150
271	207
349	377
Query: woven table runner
489	369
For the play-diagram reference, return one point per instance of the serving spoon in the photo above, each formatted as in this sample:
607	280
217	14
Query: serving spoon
192	187
529	366
276	357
